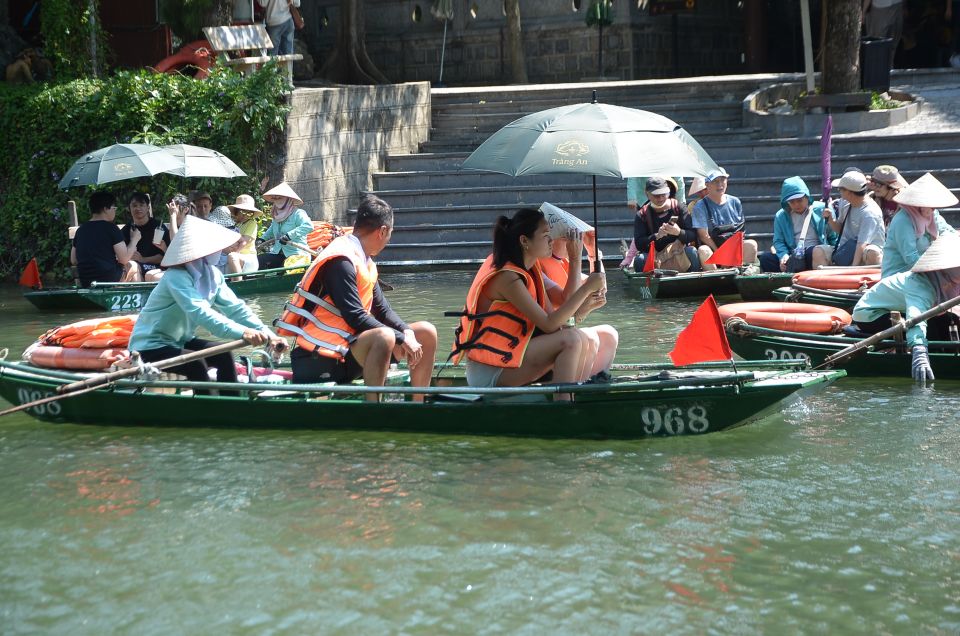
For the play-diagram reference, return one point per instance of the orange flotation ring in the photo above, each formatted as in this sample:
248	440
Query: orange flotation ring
798	317
324	232
95	333
53	357
196	54
851	278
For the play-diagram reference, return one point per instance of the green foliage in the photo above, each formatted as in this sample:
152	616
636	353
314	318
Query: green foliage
47	127
186	17
879	102
67	27
599	13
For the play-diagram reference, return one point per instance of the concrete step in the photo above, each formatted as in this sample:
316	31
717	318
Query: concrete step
880	144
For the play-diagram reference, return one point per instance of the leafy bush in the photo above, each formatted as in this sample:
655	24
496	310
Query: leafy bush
67	28
48	127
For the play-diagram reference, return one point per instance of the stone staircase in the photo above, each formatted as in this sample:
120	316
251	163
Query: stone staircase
445	216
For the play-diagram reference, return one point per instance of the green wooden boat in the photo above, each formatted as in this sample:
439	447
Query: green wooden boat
831	298
671	284
132	296
647	400
886	359
759	287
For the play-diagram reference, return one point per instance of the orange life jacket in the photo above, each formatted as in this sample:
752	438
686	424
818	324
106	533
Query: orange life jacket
314	320
500	335
323	234
556	269
95	333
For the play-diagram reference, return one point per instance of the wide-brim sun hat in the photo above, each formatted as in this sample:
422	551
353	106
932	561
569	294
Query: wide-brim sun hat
926	192
282	190
195	239
245	203
696	185
943	253
888	176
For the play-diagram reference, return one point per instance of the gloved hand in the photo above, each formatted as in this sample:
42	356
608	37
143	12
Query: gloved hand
284	239
258	241
921	364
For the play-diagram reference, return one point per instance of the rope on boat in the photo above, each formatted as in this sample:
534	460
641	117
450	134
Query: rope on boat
4	353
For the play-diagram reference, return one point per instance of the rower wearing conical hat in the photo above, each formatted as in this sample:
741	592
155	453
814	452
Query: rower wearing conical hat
917	224
193	294
934	279
290	221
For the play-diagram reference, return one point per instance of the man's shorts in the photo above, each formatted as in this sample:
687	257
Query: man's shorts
309	368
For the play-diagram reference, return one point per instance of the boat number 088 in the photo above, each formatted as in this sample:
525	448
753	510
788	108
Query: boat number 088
673	421
122	302
50	408
773	354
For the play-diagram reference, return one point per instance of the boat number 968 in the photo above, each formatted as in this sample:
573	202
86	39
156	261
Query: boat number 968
773	354
674	421
50	408
123	302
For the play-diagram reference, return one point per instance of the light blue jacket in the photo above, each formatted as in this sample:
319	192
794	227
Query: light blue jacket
783	236
903	247
175	310
909	293
296	226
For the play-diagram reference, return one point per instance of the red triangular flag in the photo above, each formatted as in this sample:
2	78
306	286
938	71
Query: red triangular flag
31	275
651	258
730	254
704	339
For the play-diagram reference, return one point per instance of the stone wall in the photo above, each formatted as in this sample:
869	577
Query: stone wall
337	137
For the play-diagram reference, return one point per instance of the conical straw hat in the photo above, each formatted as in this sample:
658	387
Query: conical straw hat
696	185
926	192
195	239
245	203
282	190
943	253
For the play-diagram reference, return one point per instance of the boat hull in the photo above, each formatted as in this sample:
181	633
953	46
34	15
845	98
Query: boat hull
686	285
790	295
622	410
759	287
133	296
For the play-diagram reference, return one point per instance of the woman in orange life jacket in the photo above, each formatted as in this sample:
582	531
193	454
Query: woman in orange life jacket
519	340
345	327
559	285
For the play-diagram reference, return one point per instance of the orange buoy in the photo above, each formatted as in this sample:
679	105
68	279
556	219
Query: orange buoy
95	333
53	357
196	54
797	317
851	278
323	232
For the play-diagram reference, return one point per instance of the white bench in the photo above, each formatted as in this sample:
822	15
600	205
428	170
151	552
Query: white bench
247	37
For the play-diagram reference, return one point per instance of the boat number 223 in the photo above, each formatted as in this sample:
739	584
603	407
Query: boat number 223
674	421
122	302
50	408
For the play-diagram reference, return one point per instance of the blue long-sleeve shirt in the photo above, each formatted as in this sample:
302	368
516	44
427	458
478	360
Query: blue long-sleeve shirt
909	293
296	226
903	247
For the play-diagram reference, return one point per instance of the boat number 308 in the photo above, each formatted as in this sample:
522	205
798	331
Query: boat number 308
50	408
674	421
773	354
122	302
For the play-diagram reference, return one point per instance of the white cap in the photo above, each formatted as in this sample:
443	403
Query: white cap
852	181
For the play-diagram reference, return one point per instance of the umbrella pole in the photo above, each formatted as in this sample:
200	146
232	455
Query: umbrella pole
596	228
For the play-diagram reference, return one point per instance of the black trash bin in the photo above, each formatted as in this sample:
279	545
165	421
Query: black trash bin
875	55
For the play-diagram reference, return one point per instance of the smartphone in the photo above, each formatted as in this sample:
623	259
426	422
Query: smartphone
673	219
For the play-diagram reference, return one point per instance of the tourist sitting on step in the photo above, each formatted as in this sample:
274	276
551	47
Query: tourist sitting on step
508	333
344	326
717	217
916	225
933	279
637	191
857	220
289	222
560	285
885	183
698	190
99	250
154	237
801	237
663	221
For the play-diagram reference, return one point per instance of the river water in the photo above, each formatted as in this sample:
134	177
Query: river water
839	515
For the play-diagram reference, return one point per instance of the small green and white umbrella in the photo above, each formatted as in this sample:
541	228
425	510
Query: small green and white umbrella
197	161
592	139
117	163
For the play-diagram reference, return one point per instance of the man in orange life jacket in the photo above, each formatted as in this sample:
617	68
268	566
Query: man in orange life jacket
344	326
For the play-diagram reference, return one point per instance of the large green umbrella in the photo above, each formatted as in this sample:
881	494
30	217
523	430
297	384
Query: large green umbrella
197	161
592	139
118	162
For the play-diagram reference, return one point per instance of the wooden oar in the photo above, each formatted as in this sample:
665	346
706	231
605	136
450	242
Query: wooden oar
89	384
843	354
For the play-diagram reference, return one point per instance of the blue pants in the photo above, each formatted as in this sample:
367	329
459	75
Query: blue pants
770	262
282	37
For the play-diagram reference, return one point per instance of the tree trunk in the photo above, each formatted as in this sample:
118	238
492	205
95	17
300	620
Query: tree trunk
516	61
841	50
349	63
